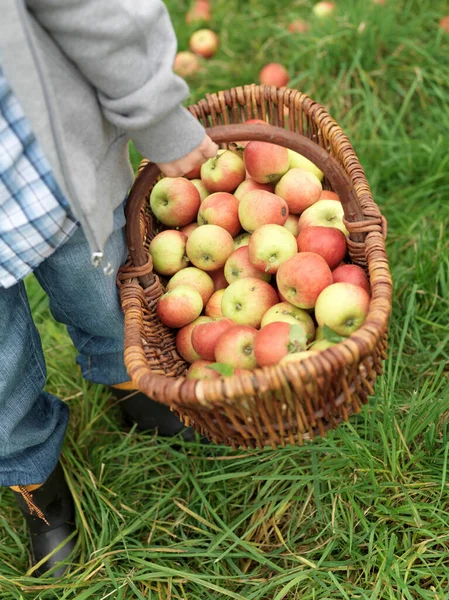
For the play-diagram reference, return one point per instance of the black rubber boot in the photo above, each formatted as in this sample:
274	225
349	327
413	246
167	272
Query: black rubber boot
50	516
152	416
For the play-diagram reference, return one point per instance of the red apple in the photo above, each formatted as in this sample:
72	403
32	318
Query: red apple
287	313
168	252
235	347
342	307
249	185
195	173
224	173
324	9
206	335
239	266
270	246
199	11
209	246
200	370
247	300
187	229
329	242
220	208
203	191
276	340
291	224
204	42
444	24
197	278
328	195
186	64
184	340
300	189
302	278
175	201
179	306
265	162
259	208
298	26
324	213
213	307
241	240
274	74
219	278
351	274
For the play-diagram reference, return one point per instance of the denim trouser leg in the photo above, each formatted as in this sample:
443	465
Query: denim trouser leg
33	422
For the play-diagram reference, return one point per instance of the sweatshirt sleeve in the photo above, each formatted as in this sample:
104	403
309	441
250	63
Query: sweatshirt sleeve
126	49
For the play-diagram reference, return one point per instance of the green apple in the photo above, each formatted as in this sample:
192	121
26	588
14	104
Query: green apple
287	313
298	161
342	307
270	246
168	252
324	213
245	301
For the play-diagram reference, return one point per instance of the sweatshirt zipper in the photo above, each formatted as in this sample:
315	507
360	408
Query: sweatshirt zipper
98	256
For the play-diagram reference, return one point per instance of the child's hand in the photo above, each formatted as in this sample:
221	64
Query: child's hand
177	168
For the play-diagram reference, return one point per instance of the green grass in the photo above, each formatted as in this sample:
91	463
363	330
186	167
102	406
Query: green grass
362	514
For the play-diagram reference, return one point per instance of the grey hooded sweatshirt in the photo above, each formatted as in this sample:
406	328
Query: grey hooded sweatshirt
91	75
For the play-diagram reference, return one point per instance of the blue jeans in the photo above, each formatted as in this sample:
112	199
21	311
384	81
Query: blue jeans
32	421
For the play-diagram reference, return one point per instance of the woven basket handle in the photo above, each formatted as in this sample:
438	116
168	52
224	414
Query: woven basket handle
229	133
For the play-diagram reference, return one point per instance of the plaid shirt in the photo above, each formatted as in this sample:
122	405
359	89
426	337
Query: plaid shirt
35	216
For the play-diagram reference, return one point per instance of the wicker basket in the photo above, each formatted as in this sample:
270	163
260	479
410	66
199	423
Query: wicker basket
276	405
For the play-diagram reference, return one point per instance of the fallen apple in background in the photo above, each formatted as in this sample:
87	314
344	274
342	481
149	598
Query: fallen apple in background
299	188
285	312
351	274
444	24
175	201
274	74
186	64
269	246
199	11
342	307
239	266
184	340
245	301
209	246
302	278
324	9
206	335
223	173
329	242
298	161
235	347
324	213
213	306
180	306
204	42
222	209
168	252
259	208
265	162
298	26
195	277
276	340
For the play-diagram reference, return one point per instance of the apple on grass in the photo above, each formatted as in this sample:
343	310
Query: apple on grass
180	306
351	274
175	201
195	277
324	213
300	189
168	252
213	307
324	9
184	340
259	208
329	242
274	74
342	307
186	64
223	173
247	300
222	209
298	26
265	162
241	240
200	369
209	247
287	313
206	335
204	42
298	161
235	347
249	185
199	11
270	246
239	265
276	340
291	224
202	190
302	278
219	278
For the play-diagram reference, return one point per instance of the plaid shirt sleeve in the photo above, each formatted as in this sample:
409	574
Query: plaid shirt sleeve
35	217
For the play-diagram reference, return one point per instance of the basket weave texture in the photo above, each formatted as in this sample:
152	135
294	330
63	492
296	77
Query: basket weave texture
276	405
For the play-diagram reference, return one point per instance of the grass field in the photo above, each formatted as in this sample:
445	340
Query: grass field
363	513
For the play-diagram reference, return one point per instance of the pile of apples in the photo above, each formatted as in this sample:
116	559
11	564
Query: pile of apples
253	255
